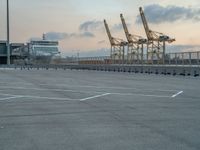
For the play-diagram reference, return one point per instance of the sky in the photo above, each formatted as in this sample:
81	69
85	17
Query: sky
78	24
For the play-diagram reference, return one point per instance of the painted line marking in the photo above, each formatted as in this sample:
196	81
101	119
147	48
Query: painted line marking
145	95
50	98
96	96
175	95
4	94
39	97
8	98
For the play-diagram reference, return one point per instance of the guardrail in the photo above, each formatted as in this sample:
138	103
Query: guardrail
181	58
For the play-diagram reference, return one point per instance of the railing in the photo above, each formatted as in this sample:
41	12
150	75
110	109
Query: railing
181	58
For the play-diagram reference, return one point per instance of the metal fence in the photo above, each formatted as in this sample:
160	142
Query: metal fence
181	58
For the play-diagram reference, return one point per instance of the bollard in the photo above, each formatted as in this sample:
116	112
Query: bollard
174	72
196	74
156	71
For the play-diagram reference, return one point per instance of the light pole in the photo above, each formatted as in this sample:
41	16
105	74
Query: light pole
8	35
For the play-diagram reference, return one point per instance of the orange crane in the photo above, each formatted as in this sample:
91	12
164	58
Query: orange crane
117	46
135	44
156	41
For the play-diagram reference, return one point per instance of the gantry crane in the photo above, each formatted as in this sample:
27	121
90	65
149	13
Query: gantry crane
156	41
117	46
135	44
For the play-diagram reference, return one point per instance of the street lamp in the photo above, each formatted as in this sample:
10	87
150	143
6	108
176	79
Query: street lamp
8	35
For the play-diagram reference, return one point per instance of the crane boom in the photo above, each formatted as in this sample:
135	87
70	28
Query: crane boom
128	35
108	33
146	27
117	46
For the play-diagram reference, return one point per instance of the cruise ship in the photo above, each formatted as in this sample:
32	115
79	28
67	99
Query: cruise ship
37	50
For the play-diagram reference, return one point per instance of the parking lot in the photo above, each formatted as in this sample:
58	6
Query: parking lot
91	110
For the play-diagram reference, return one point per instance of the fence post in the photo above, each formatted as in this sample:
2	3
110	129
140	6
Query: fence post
123	54
176	58
190	58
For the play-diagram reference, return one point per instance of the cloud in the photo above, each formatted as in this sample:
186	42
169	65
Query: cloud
58	36
95	26
86	30
87	34
159	14
91	26
81	35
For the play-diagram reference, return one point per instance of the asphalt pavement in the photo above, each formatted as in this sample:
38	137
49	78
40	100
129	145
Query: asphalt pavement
91	110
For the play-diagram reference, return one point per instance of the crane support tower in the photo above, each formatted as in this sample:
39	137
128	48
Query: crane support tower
117	47
156	42
136	43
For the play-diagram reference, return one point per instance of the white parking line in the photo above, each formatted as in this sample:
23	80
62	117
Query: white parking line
144	95
175	95
37	97
8	98
5	94
96	96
